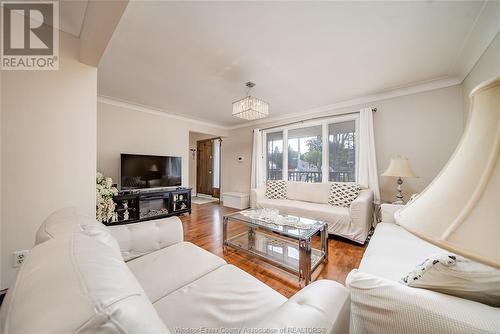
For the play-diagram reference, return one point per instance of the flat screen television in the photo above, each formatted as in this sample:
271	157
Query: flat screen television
150	171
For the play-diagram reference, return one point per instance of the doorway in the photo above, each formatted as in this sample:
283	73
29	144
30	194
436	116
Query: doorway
208	167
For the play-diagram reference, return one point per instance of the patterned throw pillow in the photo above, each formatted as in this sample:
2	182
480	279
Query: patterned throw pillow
276	189
342	194
457	276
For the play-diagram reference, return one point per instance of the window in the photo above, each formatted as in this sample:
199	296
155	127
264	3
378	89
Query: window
274	150
319	152
305	154
342	151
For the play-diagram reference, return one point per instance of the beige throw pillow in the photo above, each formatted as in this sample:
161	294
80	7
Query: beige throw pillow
454	275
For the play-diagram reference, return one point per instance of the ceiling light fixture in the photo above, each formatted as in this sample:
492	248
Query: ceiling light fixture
250	108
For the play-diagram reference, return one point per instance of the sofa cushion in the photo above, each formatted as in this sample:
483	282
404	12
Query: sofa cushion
308	191
77	284
226	297
62	222
170	268
393	252
276	189
141	238
342	194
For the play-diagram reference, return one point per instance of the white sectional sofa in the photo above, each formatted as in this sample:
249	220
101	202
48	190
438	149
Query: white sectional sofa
310	200
380	304
82	277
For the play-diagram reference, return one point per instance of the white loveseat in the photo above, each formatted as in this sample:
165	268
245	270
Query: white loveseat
310	200
75	280
380	304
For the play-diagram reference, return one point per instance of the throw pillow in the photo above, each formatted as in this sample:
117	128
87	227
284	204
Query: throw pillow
342	194
457	276
276	189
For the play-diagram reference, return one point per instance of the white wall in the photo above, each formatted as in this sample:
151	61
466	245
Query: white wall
236	174
124	129
1	187
487	67
425	127
48	139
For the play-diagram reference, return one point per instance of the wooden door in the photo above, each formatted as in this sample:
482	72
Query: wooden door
204	165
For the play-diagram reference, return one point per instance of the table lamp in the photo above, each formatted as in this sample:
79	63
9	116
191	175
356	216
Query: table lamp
460	210
400	168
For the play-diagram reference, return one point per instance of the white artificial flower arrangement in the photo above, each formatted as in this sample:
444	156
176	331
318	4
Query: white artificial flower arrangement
105	207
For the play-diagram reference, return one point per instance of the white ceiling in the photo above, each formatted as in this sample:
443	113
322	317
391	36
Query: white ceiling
193	58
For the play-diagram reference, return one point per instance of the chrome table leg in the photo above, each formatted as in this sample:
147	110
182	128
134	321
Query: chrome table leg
324	242
305	262
224	233
251	238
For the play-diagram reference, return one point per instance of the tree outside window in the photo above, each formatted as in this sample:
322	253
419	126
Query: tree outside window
274	148
305	153
342	151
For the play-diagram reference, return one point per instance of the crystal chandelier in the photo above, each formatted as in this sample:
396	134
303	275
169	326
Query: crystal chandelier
250	108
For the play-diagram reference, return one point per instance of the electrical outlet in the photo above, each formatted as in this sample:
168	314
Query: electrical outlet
19	257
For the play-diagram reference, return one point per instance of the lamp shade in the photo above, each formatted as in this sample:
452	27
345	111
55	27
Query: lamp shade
399	167
460	209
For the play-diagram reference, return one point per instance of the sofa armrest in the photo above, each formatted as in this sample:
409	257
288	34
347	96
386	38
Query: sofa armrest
323	306
388	210
361	209
383	306
145	237
257	194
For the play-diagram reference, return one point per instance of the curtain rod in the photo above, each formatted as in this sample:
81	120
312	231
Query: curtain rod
312	119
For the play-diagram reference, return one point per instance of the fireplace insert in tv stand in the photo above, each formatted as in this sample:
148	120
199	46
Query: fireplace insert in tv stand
136	206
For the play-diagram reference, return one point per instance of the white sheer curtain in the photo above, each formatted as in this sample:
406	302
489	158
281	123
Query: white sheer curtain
367	159
258	178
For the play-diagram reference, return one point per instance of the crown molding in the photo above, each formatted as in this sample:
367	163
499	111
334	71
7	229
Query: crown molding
402	91
414	89
153	111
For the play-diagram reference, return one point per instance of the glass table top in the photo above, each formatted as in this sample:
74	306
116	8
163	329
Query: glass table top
276	249
271	219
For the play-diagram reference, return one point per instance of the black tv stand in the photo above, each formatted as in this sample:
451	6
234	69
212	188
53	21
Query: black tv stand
134	206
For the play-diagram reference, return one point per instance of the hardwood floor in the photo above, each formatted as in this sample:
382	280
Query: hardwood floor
204	228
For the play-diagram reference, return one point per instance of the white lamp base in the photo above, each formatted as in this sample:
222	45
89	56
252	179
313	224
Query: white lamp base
399	193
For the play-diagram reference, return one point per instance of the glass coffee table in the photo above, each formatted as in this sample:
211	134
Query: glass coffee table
282	240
